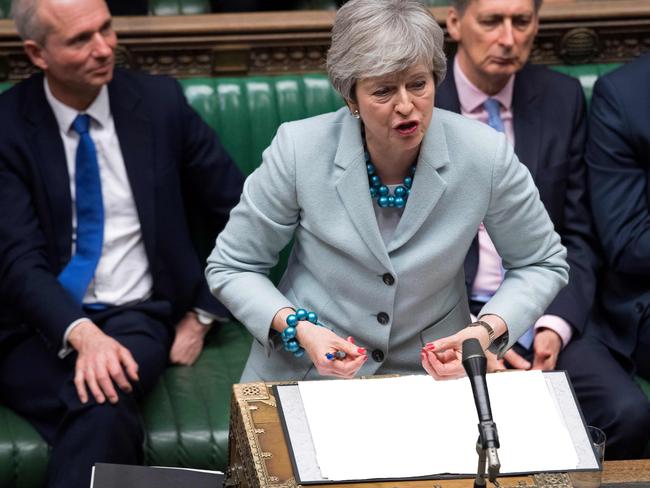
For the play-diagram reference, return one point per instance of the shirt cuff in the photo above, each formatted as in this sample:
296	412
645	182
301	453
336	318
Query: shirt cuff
557	324
216	318
66	348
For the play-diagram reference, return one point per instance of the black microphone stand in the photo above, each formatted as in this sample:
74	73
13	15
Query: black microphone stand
475	365
487	455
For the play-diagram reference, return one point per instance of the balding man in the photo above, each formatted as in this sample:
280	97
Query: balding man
98	275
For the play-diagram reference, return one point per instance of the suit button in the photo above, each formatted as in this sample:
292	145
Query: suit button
388	279
383	318
638	307
377	355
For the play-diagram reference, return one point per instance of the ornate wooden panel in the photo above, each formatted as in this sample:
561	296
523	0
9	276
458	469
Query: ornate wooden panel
571	32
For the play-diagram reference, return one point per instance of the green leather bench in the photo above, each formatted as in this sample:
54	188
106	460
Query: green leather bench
187	415
5	9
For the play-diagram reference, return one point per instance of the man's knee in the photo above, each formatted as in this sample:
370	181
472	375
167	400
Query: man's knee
632	414
627	425
121	420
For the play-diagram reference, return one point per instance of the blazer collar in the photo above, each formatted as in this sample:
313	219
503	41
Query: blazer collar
526	110
49	157
353	190
428	185
447	95
527	119
134	132
352	186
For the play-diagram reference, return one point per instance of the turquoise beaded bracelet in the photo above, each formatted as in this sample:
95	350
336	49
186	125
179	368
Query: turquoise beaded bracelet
288	335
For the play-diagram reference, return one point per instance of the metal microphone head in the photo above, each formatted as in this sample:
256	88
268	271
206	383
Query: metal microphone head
471	349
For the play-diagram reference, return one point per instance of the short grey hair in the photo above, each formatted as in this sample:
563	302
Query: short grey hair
461	5
378	37
28	23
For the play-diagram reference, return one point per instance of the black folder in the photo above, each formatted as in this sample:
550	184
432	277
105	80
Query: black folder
126	476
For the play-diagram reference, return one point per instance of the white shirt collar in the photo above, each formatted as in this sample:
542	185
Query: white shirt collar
99	110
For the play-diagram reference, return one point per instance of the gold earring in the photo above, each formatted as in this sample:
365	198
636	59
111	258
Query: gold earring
356	114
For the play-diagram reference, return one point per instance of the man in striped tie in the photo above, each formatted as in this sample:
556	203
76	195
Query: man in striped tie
98	275
542	113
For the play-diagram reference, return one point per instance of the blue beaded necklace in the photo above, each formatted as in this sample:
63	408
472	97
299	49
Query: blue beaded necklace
381	192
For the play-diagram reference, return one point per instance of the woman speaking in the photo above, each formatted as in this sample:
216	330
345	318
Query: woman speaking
382	199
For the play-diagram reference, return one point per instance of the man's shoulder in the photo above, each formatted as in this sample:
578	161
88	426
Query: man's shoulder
14	98
627	76
547	78
146	85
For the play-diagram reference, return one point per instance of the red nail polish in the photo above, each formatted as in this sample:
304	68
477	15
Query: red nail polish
350	339
361	350
429	347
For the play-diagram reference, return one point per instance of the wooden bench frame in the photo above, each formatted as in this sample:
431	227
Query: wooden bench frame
571	32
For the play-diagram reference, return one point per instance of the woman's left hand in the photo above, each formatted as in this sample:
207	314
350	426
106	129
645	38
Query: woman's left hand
442	359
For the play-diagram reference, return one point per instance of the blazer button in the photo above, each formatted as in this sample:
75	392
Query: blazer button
388	279
378	355
638	307
383	318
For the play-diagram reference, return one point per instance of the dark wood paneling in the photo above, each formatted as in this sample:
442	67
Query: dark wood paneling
279	42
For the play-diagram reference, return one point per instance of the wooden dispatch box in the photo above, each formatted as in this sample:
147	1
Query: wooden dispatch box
259	457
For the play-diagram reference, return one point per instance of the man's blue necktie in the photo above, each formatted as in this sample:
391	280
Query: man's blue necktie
76	276
493	108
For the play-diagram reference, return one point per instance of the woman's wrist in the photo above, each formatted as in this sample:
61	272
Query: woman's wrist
497	323
279	322
292	325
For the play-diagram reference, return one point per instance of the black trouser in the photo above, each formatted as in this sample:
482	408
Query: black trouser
39	386
609	397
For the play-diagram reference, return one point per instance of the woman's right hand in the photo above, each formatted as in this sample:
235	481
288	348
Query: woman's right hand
318	341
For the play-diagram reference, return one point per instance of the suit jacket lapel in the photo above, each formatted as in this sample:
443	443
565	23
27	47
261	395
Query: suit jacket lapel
134	133
353	189
447	95
428	185
526	110
51	161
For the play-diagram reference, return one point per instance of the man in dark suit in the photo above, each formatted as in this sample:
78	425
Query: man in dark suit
99	171
543	115
616	344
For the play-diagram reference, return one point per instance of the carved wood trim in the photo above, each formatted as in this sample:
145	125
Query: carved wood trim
291	42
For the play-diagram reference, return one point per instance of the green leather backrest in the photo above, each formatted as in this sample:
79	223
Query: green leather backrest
587	74
5	9
247	111
179	7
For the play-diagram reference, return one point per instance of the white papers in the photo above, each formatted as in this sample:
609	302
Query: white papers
414	426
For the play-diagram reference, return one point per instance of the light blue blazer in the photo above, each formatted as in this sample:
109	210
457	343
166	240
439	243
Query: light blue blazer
313	186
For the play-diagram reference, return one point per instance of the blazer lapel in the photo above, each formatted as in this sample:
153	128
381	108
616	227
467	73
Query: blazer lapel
447	94
51	160
428	185
134	133
355	197
527	120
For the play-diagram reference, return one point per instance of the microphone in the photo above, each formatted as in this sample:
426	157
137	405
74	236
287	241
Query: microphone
475	365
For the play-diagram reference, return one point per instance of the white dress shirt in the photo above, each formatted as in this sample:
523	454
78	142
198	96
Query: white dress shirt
122	275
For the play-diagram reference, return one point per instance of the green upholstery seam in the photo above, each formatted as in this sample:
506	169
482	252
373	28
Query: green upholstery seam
179	438
15	451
